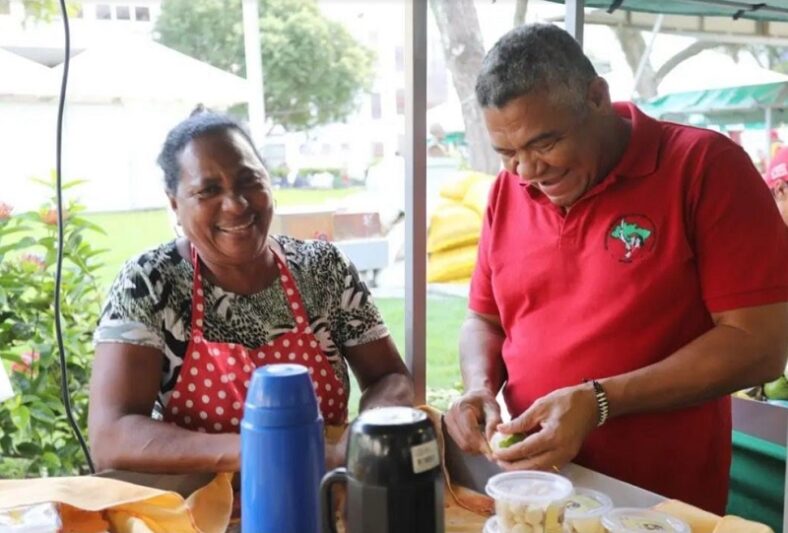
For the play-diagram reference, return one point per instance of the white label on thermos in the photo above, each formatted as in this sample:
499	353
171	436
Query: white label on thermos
425	456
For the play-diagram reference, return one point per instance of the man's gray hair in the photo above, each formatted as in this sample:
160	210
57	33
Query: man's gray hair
534	57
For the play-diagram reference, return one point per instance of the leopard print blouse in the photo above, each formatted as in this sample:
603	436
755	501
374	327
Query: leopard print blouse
149	304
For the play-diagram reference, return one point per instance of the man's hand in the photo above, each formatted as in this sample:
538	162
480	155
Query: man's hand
558	423
473	409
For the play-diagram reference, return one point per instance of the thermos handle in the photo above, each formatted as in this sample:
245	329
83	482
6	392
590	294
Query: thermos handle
337	475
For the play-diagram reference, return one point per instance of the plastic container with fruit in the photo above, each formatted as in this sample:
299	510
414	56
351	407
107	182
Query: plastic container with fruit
584	511
529	502
632	520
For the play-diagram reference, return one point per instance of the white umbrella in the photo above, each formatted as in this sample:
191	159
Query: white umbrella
26	78
137	69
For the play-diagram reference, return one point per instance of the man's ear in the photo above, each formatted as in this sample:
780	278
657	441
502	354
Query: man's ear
599	94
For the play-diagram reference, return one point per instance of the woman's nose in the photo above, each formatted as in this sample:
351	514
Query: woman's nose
235	201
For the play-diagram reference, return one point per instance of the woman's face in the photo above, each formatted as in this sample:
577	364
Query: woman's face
224	200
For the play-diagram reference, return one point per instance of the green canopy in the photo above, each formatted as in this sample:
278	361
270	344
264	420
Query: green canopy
744	105
748	9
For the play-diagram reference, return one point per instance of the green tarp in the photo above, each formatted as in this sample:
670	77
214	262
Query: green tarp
731	105
770	10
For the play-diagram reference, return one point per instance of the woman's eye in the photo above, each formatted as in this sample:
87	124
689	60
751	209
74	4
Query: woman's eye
208	191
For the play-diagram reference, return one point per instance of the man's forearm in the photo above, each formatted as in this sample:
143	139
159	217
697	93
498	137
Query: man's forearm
721	361
480	355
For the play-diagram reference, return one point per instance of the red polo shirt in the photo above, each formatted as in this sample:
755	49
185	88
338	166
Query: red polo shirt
682	227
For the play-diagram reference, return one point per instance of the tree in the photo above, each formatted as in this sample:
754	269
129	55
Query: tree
314	70
461	37
462	45
634	46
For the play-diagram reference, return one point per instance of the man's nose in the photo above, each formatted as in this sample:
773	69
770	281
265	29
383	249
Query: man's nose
529	167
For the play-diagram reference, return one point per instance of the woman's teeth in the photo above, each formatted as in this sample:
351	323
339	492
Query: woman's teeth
238	227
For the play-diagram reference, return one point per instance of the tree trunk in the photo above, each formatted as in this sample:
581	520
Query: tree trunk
464	51
519	13
634	46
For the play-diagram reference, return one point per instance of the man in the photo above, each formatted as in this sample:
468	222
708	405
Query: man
630	275
777	180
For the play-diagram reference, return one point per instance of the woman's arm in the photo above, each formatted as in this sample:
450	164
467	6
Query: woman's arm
123	389
384	380
381	374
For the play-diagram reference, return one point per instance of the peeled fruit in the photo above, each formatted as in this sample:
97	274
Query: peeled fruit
777	389
501	441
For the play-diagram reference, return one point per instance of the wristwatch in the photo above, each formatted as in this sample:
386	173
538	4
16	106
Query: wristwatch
603	406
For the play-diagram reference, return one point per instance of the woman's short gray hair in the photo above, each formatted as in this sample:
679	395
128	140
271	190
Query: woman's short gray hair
534	57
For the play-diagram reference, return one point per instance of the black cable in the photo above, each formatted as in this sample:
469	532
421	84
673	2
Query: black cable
59	265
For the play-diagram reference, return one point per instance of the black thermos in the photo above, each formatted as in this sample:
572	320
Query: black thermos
393	475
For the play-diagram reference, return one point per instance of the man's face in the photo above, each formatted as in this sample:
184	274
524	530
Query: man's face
550	145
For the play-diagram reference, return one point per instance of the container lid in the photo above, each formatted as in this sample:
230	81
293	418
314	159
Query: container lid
629	519
529	486
491	525
280	395
587	503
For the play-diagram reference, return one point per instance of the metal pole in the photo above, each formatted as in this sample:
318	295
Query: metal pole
574	19
785	493
768	126
254	70
416	194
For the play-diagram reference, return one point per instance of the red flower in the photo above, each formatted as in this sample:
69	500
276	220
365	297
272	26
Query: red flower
33	262
5	211
24	366
50	216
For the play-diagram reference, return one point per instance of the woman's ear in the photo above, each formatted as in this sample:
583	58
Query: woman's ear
174	207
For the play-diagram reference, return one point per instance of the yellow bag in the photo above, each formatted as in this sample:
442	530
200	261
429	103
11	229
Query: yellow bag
451	265
455	190
476	195
87	502
451	226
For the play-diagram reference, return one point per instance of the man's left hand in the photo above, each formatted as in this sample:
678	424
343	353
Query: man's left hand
556	425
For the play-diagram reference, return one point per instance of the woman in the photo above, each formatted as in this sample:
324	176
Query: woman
186	323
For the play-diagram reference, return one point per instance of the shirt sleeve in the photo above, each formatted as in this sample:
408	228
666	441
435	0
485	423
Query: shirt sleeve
355	319
481	297
740	239
132	312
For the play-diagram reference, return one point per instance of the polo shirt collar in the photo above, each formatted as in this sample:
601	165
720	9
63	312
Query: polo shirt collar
640	157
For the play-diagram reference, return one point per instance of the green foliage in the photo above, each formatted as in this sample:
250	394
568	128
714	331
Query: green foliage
35	438
47	10
314	70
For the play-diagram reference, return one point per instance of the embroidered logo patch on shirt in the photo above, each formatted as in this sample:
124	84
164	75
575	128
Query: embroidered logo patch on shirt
630	237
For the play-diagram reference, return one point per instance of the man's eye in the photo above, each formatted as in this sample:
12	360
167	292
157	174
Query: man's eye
546	146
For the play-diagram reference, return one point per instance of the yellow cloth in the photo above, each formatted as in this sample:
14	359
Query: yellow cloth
451	226
701	521
88	502
452	265
456	189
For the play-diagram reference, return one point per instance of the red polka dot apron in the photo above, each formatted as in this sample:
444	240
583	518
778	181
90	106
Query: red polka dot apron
211	386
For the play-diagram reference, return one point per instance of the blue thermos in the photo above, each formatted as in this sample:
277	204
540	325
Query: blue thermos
282	452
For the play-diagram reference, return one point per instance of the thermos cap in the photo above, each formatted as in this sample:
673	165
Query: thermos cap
391	416
280	395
